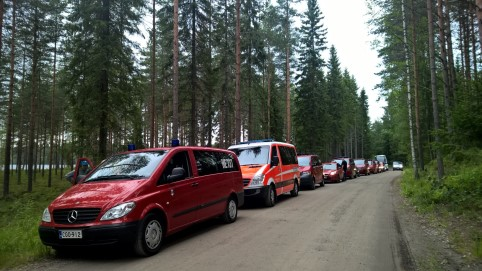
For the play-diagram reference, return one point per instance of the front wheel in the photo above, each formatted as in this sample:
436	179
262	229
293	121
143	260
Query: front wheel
231	211
295	190
270	198
149	236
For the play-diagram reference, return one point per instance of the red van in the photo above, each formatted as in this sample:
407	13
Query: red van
139	197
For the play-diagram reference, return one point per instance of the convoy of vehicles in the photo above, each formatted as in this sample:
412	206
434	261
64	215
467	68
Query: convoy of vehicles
139	197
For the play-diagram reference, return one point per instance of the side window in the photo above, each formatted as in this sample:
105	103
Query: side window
180	159
274	152
227	162
288	155
206	162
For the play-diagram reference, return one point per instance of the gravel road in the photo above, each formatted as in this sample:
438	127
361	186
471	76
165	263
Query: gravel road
360	224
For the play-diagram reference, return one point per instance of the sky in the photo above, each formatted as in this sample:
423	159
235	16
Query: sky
347	30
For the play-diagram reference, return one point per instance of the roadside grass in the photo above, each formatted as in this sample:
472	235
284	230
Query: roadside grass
20	215
455	202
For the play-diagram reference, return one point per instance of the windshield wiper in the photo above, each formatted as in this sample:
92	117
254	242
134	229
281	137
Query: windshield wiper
115	177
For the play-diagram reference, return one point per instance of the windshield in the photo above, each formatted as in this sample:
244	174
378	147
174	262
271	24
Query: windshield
304	161
381	158
359	162
329	166
134	165
252	156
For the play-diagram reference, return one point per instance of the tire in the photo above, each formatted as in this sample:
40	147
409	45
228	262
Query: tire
296	189
322	182
270	199
231	211
313	185
149	236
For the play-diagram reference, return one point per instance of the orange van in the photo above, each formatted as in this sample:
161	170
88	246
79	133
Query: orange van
269	169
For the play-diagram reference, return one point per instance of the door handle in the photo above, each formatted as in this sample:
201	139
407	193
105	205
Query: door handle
194	184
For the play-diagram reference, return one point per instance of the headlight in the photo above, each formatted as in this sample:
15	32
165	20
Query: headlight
332	173
305	173
118	211
46	216
257	180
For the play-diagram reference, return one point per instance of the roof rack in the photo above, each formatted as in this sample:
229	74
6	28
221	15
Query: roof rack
257	141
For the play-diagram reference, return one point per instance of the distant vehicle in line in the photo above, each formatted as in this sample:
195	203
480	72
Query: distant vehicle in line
351	170
362	166
373	166
311	171
333	172
397	165
382	158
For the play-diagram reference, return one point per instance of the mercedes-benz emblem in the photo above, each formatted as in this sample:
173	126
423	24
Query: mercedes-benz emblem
72	216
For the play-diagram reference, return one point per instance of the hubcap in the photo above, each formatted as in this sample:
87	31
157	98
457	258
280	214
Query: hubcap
232	209
153	234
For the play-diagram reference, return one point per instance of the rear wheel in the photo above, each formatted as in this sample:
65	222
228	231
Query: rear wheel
313	184
149	236
270	198
231	211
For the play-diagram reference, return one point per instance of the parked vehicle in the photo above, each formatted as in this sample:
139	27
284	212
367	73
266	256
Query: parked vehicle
397	165
373	166
139	197
269	168
362	166
381	167
383	159
311	171
333	172
351	170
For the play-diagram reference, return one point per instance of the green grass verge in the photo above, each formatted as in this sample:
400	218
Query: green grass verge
456	201
20	215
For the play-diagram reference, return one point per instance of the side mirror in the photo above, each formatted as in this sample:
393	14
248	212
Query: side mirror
177	174
274	161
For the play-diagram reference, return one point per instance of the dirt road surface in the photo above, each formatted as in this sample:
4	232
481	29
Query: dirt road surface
355	225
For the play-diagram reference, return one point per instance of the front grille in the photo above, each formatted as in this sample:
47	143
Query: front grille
246	182
84	215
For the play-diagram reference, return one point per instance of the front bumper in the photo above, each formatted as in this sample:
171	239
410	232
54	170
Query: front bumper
256	192
124	233
306	180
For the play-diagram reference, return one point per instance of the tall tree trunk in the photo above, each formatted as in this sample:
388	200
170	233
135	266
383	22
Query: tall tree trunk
416	85
237	96
153	78
33	101
8	144
193	130
450	55
445	67
104	86
478	10
287	78
433	83
52	111
175	77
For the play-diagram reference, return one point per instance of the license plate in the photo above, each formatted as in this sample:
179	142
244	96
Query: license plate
70	234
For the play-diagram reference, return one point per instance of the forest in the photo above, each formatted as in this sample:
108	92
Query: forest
86	78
